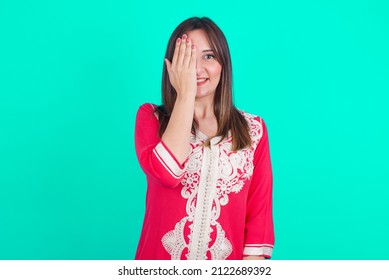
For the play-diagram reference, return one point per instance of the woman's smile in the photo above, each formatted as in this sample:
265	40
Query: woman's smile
201	81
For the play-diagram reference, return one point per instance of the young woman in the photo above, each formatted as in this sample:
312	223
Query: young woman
207	164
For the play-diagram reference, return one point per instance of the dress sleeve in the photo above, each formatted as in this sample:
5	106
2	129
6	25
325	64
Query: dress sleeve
155	158
259	230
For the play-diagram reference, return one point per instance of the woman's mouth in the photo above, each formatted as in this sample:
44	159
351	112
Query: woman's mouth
201	81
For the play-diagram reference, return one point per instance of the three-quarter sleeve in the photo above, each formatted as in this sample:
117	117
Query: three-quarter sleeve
155	158
259	230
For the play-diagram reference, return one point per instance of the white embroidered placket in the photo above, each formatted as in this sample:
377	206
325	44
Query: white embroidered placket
206	194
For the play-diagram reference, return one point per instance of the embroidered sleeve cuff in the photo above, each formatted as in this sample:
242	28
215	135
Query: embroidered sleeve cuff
167	159
265	250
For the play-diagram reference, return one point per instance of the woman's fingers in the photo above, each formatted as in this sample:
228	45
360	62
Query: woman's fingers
188	53
176	50
182	68
181	53
193	57
168	65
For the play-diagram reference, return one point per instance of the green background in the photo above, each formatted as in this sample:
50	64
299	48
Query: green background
73	74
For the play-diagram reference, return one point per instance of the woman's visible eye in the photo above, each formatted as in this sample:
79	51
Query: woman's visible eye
209	56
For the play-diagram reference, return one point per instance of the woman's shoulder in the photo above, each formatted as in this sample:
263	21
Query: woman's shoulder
250	118
147	107
147	112
256	125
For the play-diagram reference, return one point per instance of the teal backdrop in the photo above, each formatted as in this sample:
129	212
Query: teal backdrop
73	74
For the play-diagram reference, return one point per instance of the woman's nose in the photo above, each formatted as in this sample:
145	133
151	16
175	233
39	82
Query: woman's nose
199	66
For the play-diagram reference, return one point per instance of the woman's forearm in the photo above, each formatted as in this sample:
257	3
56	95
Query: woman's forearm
177	134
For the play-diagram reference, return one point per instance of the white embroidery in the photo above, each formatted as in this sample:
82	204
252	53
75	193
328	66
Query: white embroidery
167	161
212	174
174	241
222	248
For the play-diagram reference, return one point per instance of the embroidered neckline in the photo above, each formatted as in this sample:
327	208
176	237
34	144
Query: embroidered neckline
214	139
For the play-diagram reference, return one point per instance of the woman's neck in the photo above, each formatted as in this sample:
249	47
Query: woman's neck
203	109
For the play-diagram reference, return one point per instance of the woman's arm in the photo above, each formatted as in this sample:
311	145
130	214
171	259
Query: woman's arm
156	160
182	75
259	230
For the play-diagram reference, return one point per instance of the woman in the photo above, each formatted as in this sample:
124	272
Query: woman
207	164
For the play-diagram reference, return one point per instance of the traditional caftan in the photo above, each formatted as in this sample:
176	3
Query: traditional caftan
216	205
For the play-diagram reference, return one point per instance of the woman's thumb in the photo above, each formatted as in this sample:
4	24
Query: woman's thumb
168	64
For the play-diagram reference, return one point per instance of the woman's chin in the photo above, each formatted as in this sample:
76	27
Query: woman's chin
201	94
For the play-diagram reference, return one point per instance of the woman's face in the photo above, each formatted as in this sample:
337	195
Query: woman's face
208	69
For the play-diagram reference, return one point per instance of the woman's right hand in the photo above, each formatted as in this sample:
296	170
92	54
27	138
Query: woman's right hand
182	69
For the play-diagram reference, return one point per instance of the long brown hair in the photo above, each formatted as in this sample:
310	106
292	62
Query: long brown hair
227	116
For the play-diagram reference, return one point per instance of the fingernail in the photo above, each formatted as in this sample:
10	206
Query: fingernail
179	40
187	40
184	36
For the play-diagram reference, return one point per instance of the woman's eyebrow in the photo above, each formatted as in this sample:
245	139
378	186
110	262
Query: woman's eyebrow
207	50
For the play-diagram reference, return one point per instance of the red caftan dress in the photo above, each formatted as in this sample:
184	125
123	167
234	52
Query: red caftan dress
216	205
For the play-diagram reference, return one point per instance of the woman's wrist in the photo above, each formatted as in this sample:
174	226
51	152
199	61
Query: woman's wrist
185	97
